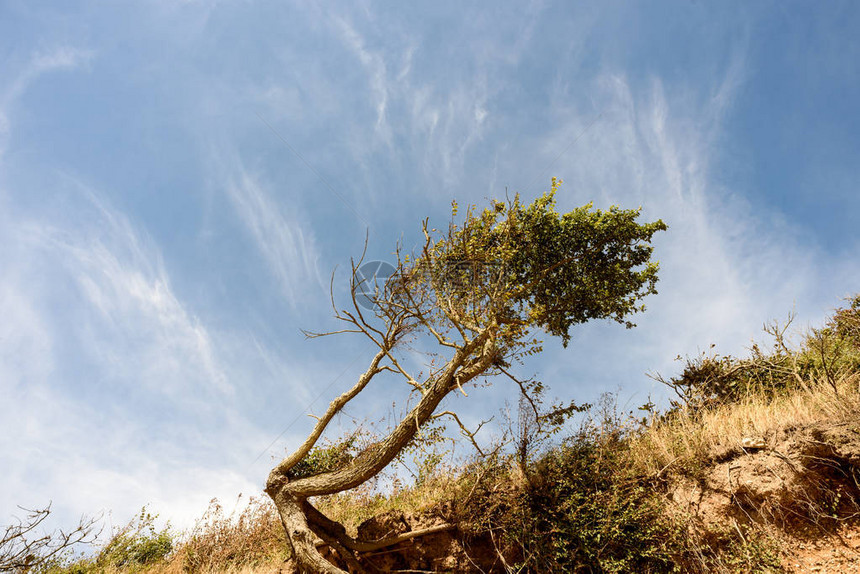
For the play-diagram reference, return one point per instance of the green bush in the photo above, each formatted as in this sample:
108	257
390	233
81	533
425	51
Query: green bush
326	458
825	354
132	548
846	321
139	543
583	515
578	510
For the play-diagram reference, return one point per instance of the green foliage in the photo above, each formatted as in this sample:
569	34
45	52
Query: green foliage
824	354
738	549
426	452
833	351
583	515
580	511
530	266
537	424
132	548
138	543
846	322
326	458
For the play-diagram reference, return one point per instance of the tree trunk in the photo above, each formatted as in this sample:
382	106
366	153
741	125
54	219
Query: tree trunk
290	497
305	554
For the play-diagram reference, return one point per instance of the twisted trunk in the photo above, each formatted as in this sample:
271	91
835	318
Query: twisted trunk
302	522
301	537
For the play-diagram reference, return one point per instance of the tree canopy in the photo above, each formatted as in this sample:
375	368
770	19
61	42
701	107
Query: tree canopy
529	266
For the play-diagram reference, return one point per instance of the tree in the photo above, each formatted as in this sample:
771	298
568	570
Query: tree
24	547
479	292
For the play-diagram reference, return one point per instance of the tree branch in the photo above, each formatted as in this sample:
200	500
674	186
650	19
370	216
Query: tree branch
465	432
334	407
459	371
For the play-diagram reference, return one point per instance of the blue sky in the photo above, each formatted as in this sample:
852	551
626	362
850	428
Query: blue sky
163	245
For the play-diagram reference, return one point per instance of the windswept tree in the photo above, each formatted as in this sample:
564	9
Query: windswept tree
482	293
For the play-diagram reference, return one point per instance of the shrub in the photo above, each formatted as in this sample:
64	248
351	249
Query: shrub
138	543
579	510
585	514
132	548
846	321
326	458
825	354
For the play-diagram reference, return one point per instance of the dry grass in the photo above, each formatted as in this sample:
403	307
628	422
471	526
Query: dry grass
248	542
353	507
688	437
252	541
174	567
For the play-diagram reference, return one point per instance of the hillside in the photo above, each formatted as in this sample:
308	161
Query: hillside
754	468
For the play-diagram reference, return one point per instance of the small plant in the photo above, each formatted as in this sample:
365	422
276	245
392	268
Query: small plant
327	458
537	424
25	546
138	543
743	549
132	548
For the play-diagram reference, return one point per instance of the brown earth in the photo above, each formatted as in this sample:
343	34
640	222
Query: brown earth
447	551
802	485
836	553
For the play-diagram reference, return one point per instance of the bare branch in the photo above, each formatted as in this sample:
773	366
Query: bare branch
334	407
463	430
462	368
316	335
399	370
333	530
523	391
19	552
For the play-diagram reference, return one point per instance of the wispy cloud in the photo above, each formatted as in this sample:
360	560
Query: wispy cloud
102	367
375	65
435	123
62	58
288	247
120	274
115	393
